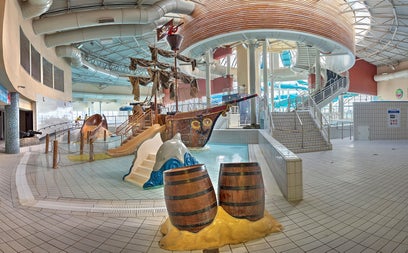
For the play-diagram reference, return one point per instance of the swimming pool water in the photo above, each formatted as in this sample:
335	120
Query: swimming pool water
212	155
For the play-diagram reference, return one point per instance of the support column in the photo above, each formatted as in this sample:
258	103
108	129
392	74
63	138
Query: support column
12	142
265	70
252	78
228	65
265	82
341	107
2	119
208	60
272	68
242	68
317	71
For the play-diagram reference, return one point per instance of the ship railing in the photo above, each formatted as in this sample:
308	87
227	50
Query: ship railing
134	121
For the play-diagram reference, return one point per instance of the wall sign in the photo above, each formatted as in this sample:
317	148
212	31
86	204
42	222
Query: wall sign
393	117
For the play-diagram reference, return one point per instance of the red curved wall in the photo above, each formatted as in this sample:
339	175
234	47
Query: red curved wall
362	78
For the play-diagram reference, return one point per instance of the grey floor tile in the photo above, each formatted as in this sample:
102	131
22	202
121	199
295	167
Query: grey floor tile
353	202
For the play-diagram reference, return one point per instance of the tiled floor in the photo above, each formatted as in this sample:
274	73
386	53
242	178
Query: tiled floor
355	200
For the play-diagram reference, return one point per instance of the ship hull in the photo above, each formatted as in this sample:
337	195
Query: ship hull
195	127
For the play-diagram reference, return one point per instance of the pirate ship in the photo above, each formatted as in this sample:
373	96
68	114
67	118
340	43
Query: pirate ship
195	127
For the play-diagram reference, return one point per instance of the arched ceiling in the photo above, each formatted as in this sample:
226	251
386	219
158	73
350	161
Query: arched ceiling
107	32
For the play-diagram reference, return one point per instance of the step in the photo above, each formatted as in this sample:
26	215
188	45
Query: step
142	170
311	149
151	156
140	181
148	163
141	173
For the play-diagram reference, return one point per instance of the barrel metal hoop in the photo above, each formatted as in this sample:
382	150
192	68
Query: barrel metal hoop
223	203
243	173
193	212
249	217
201	224
183	172
244	164
241	188
190	180
191	196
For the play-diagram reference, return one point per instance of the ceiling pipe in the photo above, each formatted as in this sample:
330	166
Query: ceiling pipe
96	33
100	71
391	76
76	20
70	52
34	8
98	96
75	56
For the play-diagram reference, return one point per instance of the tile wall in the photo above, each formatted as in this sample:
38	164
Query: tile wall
380	120
285	166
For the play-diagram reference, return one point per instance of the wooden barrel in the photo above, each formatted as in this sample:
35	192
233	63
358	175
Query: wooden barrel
190	197
241	190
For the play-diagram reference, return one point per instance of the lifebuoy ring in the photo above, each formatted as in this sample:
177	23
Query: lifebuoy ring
207	122
195	124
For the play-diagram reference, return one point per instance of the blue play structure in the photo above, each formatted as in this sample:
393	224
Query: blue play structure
286	58
156	177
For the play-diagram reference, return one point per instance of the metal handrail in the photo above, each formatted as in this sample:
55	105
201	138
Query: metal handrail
329	89
56	128
297	116
272	125
319	118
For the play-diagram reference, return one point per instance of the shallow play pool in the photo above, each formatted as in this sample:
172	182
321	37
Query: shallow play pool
212	155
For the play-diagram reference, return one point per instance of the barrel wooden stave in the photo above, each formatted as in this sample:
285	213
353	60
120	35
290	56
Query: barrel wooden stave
190	198
241	190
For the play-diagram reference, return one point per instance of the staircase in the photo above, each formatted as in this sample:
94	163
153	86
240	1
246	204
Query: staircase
144	162
305	62
331	90
135	125
298	132
141	172
305	58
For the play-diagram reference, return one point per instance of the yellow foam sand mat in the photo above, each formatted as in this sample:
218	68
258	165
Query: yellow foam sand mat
224	230
85	157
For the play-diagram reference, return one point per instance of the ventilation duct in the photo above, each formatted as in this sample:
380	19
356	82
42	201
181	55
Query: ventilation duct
75	56
96	33
78	20
34	8
391	76
70	52
100	71
87	96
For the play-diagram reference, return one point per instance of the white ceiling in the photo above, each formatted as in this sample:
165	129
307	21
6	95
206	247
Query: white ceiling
381	27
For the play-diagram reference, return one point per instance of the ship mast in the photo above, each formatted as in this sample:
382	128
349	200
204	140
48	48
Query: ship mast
169	30
174	41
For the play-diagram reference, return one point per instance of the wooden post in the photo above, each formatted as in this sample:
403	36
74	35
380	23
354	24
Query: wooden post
47	143
55	155
81	144
91	151
69	136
